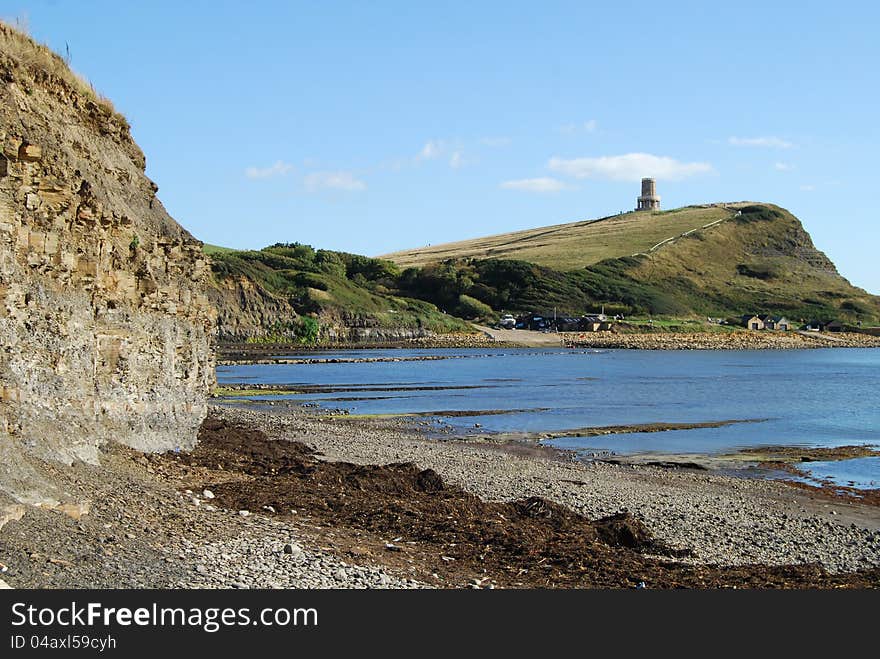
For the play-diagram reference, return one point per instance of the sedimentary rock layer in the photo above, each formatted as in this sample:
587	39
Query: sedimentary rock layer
104	324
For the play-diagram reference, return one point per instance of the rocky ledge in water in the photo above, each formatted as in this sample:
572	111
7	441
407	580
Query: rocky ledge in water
768	462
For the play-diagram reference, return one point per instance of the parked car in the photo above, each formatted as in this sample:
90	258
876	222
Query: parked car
507	322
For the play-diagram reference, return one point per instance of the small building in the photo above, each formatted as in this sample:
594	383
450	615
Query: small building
532	321
825	326
567	324
753	322
594	323
780	323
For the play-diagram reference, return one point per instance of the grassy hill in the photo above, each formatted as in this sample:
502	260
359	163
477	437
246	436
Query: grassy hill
577	244
713	260
717	260
294	293
762	259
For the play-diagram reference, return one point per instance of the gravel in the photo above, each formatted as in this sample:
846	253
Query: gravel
724	520
142	530
266	556
141	533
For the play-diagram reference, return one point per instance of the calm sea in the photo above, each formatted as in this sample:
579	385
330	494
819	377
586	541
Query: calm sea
804	397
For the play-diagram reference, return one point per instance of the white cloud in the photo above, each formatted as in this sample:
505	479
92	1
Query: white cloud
628	167
783	167
808	188
452	151
543	184
495	142
279	168
333	181
432	149
767	142
589	126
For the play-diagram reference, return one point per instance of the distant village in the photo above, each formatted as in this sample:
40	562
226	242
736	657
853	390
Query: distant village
600	322
553	323
783	324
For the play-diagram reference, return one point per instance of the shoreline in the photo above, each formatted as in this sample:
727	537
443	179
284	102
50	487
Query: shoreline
723	520
770	463
230	354
171	521
739	340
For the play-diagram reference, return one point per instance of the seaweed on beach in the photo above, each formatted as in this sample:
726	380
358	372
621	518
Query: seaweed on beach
411	518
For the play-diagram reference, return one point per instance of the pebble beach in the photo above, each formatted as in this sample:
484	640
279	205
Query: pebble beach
145	528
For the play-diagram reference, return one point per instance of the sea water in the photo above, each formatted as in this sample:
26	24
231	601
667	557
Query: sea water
812	398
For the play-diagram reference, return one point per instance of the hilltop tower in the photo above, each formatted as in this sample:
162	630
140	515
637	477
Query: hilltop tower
649	200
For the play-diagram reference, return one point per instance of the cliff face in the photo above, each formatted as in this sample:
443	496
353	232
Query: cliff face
248	313
104	324
245	312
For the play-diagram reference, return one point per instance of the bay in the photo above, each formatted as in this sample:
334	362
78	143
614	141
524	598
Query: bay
811	398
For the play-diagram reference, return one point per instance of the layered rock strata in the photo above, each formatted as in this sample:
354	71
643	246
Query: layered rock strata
104	323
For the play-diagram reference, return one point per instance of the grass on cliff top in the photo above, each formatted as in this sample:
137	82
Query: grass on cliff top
213	250
333	285
762	262
574	245
30	54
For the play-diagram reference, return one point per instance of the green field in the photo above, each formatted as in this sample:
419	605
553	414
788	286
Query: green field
215	250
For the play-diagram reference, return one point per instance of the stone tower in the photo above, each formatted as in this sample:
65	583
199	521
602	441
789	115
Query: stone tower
649	200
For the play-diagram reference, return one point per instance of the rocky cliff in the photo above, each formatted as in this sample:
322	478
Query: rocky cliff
292	293
248	313
104	323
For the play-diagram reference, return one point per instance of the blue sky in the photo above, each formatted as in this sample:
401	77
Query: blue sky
371	127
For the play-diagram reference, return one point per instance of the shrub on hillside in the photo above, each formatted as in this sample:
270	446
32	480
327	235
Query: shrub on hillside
472	309
307	329
310	280
758	213
855	307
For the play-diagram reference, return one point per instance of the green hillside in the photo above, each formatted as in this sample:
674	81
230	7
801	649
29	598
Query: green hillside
714	260
577	244
719	260
292	292
761	260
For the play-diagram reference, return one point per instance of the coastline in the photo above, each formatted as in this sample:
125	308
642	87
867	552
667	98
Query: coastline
155	526
739	340
718	519
229	354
